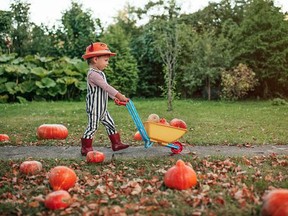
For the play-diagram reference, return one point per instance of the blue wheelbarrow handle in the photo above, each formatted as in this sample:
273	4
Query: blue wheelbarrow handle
135	117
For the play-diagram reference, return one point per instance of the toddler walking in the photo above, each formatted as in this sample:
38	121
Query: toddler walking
98	90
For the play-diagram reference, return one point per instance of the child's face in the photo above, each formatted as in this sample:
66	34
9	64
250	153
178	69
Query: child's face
101	62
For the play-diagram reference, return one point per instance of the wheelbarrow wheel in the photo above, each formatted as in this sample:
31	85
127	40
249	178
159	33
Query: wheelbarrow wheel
177	151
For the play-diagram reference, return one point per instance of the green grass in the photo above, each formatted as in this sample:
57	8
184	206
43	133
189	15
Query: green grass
226	186
209	123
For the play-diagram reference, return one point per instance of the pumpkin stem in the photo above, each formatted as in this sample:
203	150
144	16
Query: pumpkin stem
180	163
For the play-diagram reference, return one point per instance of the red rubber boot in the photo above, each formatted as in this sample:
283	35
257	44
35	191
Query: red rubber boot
86	146
116	142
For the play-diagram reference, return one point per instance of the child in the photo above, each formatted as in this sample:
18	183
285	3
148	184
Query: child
97	56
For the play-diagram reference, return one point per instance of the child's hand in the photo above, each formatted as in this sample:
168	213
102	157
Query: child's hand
121	97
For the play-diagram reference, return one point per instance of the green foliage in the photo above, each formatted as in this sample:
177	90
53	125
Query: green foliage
5	28
79	30
21	25
123	71
34	78
208	55
220	36
279	102
236	83
151	75
261	43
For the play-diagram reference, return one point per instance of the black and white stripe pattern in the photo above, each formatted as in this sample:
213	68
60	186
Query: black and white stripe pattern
96	108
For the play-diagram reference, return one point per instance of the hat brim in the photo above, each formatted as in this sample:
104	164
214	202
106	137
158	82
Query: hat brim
98	53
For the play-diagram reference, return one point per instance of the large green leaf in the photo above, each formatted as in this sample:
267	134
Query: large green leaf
2	69
17	61
29	58
73	61
27	86
81	85
11	87
58	89
57	72
21	100
3	80
43	59
73	73
7	57
41	72
46	83
17	69
69	80
82	67
2	88
53	91
62	89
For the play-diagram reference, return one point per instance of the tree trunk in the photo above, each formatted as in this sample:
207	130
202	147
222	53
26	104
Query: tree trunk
169	93
265	90
208	89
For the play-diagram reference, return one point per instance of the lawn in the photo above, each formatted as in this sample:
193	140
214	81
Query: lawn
226	185
209	123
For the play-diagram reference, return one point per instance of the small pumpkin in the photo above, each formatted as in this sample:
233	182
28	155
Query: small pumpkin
180	176
275	203
30	167
58	200
4	138
62	178
52	131
95	157
137	136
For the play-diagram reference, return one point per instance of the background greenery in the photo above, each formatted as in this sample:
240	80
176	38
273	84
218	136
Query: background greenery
220	37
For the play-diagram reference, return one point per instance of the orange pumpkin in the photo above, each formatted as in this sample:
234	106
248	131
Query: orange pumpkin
62	178
275	203
180	176
52	131
95	157
4	137
30	167
137	136
58	200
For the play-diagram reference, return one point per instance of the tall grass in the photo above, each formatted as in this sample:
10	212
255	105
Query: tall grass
209	122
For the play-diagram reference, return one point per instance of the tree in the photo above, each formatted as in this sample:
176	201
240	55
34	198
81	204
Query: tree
21	27
261	42
165	31
5	29
167	44
122	72
79	30
205	56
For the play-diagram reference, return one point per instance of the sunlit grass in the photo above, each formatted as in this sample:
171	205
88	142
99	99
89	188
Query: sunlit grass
209	123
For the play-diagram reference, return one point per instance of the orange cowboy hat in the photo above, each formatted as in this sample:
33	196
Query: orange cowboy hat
97	49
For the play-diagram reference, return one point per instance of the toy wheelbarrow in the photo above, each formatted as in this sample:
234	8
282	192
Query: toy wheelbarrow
155	132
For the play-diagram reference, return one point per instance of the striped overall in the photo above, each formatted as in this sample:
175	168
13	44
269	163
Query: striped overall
96	108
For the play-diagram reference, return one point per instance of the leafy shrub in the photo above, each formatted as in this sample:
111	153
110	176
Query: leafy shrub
279	102
237	82
41	78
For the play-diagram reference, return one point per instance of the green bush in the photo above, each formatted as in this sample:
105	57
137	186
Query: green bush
279	102
237	82
41	78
